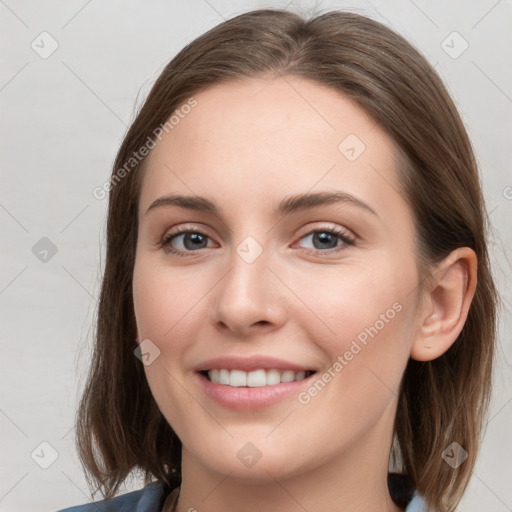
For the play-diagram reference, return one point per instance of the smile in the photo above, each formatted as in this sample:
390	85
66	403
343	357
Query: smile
253	390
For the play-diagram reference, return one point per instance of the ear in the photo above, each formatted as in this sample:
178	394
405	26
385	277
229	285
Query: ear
449	296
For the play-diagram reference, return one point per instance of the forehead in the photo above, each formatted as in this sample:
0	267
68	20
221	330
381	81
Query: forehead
257	139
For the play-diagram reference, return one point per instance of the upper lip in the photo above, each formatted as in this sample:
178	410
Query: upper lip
251	363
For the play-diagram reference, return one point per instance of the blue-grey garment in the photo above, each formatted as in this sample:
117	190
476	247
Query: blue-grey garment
151	499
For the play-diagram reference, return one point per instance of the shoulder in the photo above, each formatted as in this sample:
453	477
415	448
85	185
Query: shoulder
148	499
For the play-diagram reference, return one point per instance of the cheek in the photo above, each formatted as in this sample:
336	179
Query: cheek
363	319
165	301
348	300
163	305
366	356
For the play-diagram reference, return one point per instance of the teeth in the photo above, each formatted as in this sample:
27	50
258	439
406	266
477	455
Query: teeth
237	378
288	376
256	378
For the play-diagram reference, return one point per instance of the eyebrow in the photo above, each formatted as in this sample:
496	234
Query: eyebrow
288	205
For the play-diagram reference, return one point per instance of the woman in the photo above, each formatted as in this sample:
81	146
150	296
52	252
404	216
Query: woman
297	296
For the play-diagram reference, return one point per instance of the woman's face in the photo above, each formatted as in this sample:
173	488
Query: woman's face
273	280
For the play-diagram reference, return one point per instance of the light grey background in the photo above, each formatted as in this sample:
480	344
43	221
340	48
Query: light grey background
63	118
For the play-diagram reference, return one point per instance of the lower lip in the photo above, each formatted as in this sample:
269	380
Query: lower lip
246	398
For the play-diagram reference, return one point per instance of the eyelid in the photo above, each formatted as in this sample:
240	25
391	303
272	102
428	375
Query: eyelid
326	227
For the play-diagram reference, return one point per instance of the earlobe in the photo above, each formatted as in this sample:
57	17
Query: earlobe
449	297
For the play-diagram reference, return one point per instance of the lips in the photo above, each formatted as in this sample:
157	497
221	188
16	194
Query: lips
245	398
252	383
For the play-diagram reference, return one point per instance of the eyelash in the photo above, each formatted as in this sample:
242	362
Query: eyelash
344	237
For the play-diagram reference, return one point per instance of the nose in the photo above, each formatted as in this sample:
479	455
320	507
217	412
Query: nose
249	299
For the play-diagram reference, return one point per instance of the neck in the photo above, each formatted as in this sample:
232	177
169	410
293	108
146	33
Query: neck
354	480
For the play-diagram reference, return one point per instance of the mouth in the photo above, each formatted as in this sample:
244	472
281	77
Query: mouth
256	378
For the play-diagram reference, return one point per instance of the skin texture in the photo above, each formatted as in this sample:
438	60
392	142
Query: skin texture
246	146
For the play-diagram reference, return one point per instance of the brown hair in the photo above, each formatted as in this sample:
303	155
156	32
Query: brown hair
119	426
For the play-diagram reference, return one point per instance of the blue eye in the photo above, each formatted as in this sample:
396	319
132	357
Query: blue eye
327	239
193	240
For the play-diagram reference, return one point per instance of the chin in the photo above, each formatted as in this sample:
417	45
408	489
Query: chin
250	462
